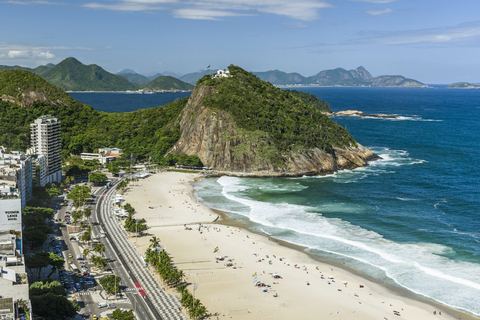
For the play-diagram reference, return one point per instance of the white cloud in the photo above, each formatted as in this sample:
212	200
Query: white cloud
464	34
201	14
374	1
28	54
379	12
217	9
33	2
124	6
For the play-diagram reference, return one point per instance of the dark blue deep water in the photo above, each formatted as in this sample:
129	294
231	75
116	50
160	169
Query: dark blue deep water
126	102
411	219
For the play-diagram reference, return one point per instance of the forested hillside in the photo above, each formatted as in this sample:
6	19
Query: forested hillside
256	105
143	133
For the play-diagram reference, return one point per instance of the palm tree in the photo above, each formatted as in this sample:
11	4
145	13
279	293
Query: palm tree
154	242
86	252
99	248
87	213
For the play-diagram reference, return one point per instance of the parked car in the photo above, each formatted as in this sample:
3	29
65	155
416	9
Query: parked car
92	289
89	282
111	306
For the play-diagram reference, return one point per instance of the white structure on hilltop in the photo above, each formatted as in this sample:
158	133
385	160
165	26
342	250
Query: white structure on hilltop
16	171
222	74
45	139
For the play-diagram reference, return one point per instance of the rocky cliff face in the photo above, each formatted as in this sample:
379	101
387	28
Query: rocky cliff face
212	135
28	98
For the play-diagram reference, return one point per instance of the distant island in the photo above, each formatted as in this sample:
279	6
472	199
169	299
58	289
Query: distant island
463	85
339	77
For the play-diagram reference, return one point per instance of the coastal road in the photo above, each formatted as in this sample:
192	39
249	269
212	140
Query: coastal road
141	309
160	304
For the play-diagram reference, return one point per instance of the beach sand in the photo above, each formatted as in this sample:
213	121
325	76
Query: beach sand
301	293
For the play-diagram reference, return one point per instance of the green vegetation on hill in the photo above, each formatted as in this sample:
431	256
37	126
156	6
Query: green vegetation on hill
71	74
463	85
167	83
143	133
135	78
11	80
256	105
311	100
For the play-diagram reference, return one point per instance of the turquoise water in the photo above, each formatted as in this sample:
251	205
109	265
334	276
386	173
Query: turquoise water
411	219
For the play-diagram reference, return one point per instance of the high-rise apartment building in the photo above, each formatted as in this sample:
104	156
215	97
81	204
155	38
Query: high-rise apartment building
45	139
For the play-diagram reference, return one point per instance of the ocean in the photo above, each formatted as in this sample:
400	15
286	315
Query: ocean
410	220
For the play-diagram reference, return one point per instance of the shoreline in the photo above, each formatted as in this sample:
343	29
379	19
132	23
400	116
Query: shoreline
394	289
231	291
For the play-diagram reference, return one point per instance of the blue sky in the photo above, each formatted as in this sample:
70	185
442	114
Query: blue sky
433	41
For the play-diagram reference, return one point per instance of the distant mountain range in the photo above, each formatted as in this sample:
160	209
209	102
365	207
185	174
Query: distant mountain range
71	74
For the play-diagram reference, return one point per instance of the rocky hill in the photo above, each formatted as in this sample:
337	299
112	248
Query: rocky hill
164	83
463	85
71	74
241	123
24	88
359	77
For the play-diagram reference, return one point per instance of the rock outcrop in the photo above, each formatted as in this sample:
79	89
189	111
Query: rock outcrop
213	136
26	99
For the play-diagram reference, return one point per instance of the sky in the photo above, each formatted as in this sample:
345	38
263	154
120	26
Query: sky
432	41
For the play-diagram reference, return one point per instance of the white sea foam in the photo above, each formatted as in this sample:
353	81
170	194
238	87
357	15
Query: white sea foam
419	267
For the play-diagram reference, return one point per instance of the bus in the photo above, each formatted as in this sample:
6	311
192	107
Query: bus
73	267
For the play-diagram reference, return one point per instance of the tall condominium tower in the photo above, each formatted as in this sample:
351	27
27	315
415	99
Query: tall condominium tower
45	139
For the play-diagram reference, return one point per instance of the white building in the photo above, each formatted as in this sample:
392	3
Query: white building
101	157
10	209
45	139
13	278
110	151
222	74
16	170
39	170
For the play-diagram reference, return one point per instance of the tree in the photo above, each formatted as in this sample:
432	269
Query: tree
128	207
97	177
56	262
123	315
37	262
87	213
79	194
154	241
86	252
52	306
76	216
99	262
111	283
113	168
99	248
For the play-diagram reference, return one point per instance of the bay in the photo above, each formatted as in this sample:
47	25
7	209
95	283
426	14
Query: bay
411	219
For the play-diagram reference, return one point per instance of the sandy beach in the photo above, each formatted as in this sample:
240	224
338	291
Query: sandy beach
306	289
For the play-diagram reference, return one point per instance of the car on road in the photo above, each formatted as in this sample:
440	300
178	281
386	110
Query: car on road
70	255
92	289
80	280
111	306
79	287
73	239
